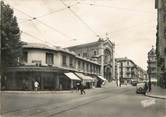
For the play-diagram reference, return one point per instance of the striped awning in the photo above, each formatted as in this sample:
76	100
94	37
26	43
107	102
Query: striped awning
85	78
102	78
72	76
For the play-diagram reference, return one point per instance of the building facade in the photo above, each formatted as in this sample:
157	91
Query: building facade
54	68
102	52
160	5
142	75
152	65
127	71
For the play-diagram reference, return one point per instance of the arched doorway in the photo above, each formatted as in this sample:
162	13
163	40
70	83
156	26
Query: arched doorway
107	73
108	62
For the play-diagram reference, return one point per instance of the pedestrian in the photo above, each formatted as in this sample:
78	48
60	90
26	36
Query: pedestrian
145	87
82	89
149	86
36	85
78	86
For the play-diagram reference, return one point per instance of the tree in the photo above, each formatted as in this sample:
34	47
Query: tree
11	45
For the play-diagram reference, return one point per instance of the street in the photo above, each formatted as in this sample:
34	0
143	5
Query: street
99	102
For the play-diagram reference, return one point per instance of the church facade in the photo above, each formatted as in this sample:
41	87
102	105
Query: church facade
102	52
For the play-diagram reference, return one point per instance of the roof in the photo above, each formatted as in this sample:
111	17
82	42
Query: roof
124	59
90	44
54	48
46	47
37	46
84	45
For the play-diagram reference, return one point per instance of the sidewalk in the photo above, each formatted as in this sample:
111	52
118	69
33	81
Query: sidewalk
107	85
157	92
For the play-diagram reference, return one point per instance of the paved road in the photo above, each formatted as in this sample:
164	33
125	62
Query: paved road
104	102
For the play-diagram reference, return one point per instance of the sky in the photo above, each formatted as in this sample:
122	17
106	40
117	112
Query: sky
130	24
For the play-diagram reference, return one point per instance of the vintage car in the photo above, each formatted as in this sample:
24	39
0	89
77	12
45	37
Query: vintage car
141	88
134	83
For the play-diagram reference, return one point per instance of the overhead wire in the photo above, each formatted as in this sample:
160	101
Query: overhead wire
30	35
78	17
72	11
55	11
114	7
43	23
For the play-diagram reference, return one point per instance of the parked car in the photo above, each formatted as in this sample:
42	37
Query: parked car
141	88
134	83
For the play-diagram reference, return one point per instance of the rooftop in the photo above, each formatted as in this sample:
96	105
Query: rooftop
55	48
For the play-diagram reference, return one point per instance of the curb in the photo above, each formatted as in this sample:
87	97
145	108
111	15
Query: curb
38	92
156	96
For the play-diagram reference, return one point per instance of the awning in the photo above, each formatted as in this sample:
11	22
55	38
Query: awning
84	77
72	76
102	78
153	80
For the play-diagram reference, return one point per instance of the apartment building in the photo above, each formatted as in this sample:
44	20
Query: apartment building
152	65
160	5
127	71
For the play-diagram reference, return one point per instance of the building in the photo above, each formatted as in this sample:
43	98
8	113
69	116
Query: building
160	5
54	68
152	65
142	75
127	72
101	51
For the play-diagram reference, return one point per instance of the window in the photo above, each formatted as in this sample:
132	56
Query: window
79	64
127	62
83	66
84	54
64	60
87	67
95	53
90	68
127	75
25	57
49	58
107	56
71	62
127	69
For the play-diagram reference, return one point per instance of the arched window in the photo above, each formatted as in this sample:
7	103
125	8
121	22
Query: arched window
107	56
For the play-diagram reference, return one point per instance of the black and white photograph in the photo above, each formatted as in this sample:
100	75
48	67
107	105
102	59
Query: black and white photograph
83	58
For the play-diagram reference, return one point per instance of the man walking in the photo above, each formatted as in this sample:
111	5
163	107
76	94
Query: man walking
36	85
82	89
78	84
